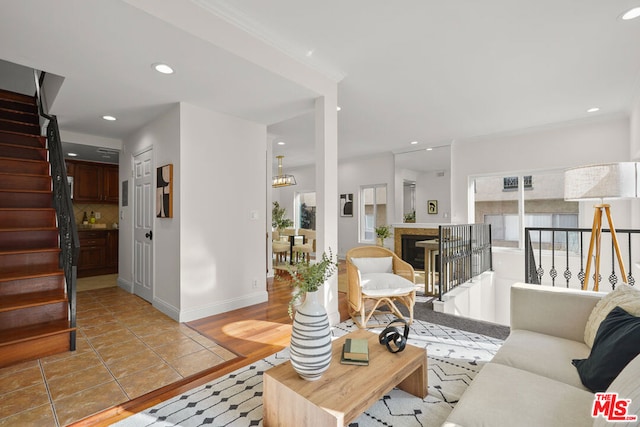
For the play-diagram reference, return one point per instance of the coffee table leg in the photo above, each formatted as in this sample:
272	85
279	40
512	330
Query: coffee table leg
283	407
417	383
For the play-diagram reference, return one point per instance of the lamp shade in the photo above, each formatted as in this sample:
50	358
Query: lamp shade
604	181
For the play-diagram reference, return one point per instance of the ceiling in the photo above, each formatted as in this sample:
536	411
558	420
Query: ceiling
420	70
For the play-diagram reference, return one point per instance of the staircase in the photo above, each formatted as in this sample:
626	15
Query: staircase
34	308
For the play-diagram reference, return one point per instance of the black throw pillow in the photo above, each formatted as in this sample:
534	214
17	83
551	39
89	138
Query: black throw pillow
617	342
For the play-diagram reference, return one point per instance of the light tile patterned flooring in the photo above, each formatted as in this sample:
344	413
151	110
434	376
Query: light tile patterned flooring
125	348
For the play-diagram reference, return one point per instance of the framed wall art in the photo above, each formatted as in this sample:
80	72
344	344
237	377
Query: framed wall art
164	191
432	207
346	204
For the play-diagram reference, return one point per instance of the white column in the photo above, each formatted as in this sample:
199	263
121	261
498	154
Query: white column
326	149
269	191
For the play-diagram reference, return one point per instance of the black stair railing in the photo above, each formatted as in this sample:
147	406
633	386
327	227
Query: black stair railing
557	256
465	252
69	241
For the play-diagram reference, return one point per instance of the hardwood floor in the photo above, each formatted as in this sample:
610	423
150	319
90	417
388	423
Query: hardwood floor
252	333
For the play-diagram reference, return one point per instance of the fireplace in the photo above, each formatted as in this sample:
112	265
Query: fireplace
412	254
405	244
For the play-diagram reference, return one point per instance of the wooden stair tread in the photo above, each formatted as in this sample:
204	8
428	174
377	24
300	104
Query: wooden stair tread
19	301
24	147
26	191
33	275
27	251
17	97
27	333
27	209
34	271
28	229
36	175
23	160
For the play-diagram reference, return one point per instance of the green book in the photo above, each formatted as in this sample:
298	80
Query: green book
356	349
346	361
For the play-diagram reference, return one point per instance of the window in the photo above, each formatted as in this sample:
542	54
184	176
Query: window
373	211
306	210
498	200
510	183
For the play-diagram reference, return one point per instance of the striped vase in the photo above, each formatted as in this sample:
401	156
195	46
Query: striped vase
310	347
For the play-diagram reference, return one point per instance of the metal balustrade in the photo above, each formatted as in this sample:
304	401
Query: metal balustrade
465	252
557	256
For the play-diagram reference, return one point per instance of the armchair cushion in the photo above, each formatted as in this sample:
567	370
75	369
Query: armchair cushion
385	284
374	264
623	296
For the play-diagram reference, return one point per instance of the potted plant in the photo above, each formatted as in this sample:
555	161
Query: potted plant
382	232
279	220
310	348
410	217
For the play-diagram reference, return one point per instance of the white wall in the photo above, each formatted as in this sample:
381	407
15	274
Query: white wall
554	148
305	183
163	135
210	257
352	175
430	186
222	229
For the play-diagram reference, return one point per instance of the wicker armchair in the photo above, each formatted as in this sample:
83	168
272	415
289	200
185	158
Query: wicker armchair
375	281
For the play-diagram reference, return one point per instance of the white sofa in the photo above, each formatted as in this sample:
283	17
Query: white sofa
531	380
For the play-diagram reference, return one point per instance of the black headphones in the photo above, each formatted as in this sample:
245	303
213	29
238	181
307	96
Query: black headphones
392	338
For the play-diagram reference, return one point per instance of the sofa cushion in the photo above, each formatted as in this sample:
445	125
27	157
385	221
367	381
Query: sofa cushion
502	396
544	355
374	264
381	284
623	296
627	386
617	343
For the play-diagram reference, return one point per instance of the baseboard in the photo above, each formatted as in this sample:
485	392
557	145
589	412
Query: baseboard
223	306
125	284
166	308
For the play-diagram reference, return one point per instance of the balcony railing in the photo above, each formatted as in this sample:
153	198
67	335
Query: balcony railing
558	256
465	252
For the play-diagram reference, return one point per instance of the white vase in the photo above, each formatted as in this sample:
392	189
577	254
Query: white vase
310	347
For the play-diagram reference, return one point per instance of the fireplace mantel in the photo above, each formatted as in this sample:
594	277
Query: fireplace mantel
429	231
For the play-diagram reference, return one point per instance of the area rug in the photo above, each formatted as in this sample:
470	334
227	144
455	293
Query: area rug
454	359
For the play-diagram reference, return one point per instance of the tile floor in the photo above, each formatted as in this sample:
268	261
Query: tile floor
125	348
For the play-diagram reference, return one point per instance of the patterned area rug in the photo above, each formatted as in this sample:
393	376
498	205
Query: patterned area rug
454	359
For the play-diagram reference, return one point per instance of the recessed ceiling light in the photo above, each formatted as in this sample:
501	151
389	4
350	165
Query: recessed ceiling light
109	118
593	110
429	149
72	154
281	143
631	14
309	53
338	108
163	68
414	142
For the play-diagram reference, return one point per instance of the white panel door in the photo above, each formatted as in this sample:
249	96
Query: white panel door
143	213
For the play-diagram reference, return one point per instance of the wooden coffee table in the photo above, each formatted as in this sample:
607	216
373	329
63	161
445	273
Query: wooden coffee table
344	391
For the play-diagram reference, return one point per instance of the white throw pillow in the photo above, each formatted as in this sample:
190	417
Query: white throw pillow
374	265
623	296
380	284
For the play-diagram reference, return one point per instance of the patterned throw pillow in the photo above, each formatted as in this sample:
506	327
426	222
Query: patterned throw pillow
623	296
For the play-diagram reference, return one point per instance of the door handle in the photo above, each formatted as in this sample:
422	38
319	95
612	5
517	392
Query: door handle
149	235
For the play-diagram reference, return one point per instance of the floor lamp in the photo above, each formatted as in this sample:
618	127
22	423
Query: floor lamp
600	182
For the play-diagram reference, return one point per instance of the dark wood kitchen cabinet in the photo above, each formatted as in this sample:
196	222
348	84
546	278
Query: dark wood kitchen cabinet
98	252
94	182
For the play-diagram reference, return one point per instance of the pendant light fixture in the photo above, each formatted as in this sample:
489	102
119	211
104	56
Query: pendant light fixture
282	180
